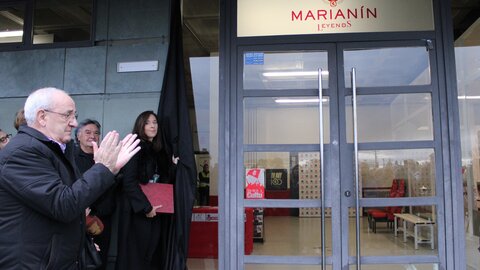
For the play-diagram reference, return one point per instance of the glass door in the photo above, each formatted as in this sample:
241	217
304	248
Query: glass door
287	99
339	161
390	157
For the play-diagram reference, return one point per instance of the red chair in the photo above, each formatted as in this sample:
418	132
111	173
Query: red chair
387	214
378	211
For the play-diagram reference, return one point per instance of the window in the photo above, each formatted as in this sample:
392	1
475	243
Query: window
46	23
12	20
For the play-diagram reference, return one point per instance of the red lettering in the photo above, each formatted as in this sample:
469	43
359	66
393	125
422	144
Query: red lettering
309	15
339	14
322	13
297	16
373	13
351	13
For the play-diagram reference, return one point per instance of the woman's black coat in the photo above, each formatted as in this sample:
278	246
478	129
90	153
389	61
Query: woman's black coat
139	242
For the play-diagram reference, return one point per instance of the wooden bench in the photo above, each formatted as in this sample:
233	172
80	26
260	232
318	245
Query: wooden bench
417	223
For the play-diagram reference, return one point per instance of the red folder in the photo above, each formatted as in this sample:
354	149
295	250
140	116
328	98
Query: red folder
159	194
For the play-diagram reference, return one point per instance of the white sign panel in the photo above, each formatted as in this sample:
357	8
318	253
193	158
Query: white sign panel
298	17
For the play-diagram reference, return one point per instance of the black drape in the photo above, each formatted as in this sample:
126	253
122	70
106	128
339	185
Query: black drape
177	136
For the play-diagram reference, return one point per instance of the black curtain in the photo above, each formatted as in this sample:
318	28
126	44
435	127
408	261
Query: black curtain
177	136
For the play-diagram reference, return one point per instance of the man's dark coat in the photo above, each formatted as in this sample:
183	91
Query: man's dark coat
42	204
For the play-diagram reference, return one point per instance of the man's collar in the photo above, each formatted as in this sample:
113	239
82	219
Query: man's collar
39	135
62	145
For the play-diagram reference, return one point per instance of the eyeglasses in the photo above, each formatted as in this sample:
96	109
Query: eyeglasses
66	116
5	138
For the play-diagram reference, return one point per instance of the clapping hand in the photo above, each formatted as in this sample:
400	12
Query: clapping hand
114	154
129	149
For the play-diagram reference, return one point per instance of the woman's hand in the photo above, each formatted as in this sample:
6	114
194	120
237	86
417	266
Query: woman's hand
153	212
175	159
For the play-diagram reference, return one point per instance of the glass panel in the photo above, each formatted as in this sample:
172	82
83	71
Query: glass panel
284	70
62	21
277	120
398	266
388	66
396	117
397	173
11	24
283	267
285	175
287	232
202	264
467	59
378	236
205	74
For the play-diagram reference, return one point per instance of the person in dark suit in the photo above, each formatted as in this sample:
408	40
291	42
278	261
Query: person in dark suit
42	198
87	133
140	240
204	185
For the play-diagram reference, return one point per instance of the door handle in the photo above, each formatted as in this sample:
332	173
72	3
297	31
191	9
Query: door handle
355	146
348	193
322	171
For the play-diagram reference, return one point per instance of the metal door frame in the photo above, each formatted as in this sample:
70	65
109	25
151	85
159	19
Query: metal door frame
347	154
229	257
337	152
329	149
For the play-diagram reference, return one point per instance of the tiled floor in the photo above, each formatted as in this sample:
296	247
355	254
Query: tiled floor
293	236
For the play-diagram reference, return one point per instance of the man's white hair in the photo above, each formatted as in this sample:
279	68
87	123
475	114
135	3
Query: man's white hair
40	99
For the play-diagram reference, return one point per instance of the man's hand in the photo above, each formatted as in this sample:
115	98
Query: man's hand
114	154
108	151
129	149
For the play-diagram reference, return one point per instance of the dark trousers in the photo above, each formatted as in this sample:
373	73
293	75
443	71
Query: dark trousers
103	239
204	195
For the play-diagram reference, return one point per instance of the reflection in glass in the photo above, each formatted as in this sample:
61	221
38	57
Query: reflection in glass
284	70
397	266
205	78
388	66
62	21
291	231
288	234
379	170
11	24
395	117
283	267
277	120
288	175
380	237
467	57
202	264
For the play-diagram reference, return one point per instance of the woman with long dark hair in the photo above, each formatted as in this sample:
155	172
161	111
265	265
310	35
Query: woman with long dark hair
140	244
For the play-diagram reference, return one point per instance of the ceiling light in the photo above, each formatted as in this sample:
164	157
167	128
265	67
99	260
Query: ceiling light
18	33
299	100
294	73
468	97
